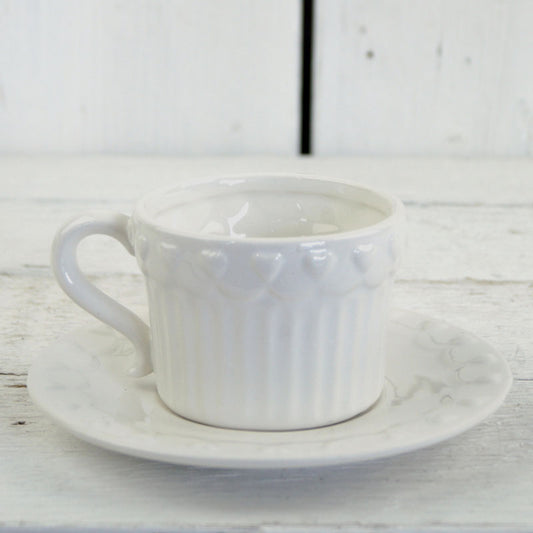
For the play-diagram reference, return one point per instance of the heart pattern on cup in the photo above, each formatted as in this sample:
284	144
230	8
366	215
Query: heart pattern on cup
318	262
364	255
267	265
214	262
141	247
336	268
394	246
170	252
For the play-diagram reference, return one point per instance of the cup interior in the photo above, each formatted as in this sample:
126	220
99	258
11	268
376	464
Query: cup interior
266	207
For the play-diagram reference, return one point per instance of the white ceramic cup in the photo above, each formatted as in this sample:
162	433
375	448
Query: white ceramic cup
268	296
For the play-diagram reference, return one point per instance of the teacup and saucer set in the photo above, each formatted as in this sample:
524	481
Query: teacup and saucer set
271	340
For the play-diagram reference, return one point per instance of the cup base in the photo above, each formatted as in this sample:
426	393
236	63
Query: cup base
271	428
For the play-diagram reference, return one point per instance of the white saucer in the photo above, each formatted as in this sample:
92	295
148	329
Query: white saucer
440	381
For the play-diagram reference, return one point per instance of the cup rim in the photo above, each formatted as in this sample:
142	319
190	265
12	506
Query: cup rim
142	215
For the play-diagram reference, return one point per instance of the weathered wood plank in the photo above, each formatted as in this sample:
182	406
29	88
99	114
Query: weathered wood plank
35	311
469	263
151	76
100	179
423	77
56	480
444	242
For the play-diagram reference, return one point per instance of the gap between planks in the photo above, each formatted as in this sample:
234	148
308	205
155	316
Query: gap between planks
29	270
104	203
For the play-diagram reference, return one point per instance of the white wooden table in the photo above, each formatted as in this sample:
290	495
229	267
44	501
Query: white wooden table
470	261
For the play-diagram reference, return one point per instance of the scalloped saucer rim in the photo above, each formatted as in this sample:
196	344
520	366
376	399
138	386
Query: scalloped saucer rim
440	381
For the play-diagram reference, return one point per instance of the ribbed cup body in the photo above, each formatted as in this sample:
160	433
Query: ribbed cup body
268	324
268	363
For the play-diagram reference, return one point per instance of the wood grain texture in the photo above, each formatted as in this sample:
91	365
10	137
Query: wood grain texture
445	242
100	180
459	211
423	77
36	299
469	263
149	76
475	480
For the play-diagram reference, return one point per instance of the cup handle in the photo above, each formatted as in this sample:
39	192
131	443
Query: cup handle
88	296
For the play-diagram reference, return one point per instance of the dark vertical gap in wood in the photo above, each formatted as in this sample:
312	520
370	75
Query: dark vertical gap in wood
307	77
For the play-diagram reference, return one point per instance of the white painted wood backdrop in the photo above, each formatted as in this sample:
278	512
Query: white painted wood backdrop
157	76
424	77
201	77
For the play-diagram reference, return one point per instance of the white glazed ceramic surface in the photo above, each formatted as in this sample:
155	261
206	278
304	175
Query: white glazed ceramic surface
268	297
440	381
